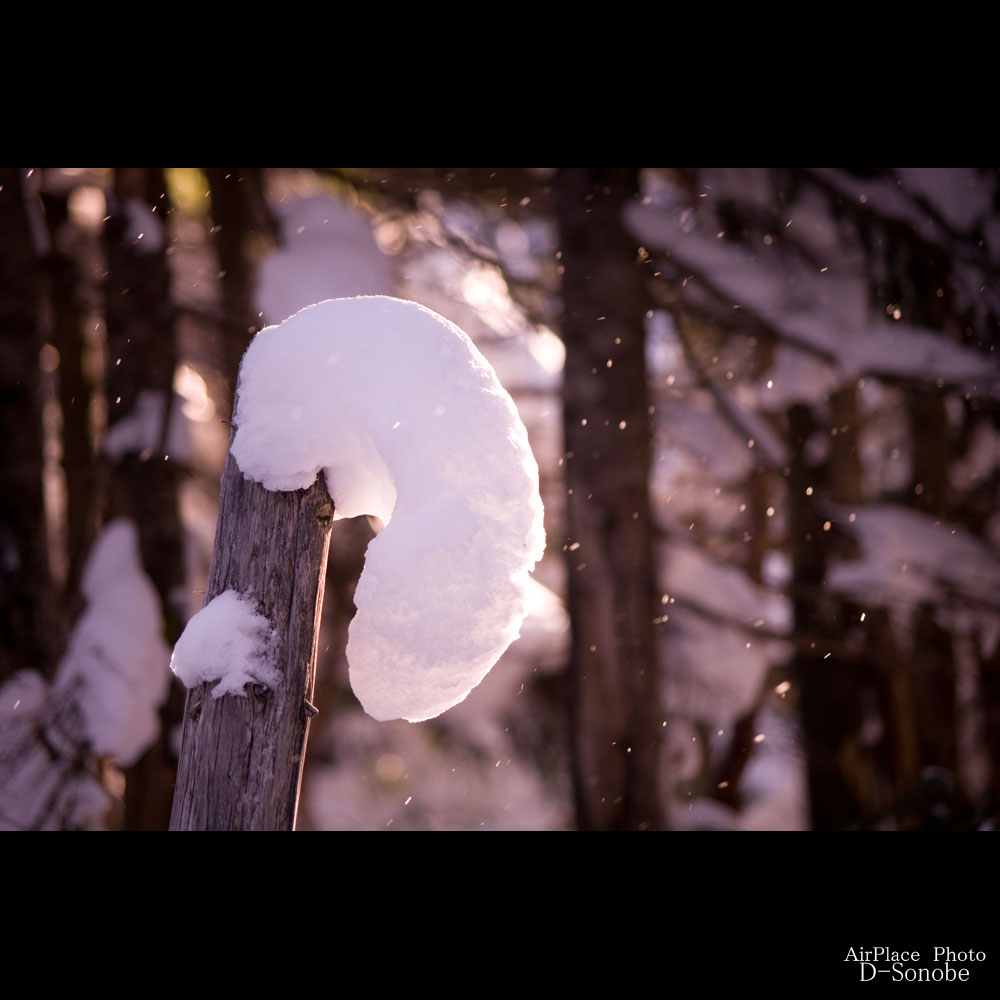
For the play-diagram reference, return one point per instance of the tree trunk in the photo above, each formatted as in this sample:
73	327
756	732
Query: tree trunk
241	758
614	677
62	266
28	624
240	214
142	357
838	692
143	484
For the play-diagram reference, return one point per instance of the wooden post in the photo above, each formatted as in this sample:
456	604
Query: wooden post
241	758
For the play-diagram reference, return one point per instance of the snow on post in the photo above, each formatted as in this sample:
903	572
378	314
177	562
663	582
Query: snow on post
409	423
226	642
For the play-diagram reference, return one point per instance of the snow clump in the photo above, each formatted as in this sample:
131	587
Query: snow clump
116	658
409	423
229	642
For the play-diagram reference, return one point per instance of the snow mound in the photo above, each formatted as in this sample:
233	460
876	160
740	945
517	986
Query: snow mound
409	423
116	658
229	642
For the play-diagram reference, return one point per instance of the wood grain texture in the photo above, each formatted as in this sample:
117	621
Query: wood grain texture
242	757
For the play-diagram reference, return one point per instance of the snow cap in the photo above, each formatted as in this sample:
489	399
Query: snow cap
409	423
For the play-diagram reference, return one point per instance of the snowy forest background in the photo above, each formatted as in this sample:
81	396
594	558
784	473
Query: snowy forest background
764	404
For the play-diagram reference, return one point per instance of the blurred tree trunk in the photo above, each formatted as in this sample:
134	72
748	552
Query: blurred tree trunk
28	624
241	219
840	774
933	669
63	270
143	483
615	708
989	686
942	799
846	478
142	357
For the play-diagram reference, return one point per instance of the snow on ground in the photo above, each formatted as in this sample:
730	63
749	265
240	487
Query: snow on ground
396	777
37	791
103	701
474	768
410	424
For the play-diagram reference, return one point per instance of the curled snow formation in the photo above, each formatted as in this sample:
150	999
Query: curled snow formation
409	423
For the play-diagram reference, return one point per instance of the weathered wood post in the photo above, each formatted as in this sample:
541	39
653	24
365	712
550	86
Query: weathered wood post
241	758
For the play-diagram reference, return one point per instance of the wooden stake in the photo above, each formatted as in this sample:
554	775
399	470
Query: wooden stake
241	758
